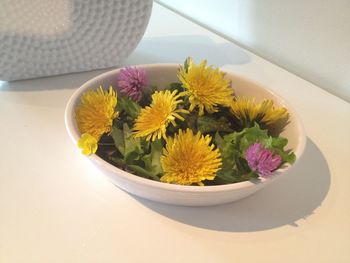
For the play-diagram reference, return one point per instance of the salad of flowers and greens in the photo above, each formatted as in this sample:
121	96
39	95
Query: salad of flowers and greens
193	132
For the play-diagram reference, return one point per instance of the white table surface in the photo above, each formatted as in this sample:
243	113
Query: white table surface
56	207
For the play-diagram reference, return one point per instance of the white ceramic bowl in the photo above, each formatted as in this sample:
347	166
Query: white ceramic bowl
161	75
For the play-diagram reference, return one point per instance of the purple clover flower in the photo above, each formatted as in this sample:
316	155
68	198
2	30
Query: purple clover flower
132	81
262	160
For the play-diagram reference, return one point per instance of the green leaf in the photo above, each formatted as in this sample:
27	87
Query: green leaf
129	147
268	142
208	123
242	165
277	145
227	176
278	142
218	140
176	86
145	145
118	161
130	157
131	144
287	156
229	154
233	146
251	136
152	160
156	152
147	159
151	89
118	137
290	158
189	122
142	172
187	64
130	107
147	96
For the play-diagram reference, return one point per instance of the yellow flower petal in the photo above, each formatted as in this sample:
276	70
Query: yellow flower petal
271	115
96	111
189	159
206	87
246	112
88	144
154	119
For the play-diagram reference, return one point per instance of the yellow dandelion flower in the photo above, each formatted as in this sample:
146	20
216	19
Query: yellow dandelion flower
154	119
96	111
246	111
88	144
206	87
271	115
189	159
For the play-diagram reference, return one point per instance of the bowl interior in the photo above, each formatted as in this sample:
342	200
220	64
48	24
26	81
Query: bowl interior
163	74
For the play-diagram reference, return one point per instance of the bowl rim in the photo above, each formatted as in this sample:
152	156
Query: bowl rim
74	135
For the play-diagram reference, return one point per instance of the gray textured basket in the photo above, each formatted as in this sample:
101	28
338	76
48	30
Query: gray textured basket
42	38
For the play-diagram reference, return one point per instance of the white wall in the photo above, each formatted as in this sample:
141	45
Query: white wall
310	38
